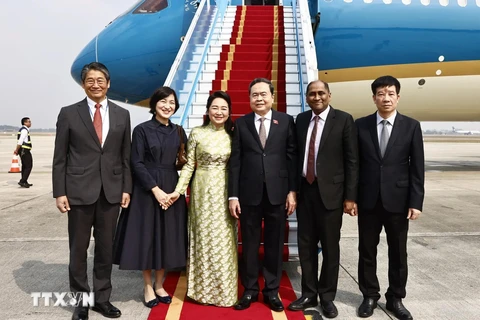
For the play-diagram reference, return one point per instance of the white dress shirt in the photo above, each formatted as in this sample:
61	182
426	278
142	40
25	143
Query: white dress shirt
266	123
103	114
321	124
390	120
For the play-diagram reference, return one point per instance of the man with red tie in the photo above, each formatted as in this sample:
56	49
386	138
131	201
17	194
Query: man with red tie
91	180
328	172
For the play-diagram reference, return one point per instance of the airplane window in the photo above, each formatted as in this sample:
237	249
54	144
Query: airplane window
443	3
441	58
128	11
462	3
425	2
439	72
407	2
151	6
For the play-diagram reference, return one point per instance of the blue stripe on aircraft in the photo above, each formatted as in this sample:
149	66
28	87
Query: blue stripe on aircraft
381	34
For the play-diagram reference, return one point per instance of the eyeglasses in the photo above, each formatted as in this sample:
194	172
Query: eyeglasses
99	81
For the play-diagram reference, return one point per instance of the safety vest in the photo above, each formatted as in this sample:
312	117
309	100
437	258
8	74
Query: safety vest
25	145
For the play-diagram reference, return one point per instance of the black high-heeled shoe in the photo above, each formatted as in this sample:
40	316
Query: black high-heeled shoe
152	303
165	299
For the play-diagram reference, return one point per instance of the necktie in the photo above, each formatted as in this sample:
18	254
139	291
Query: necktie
311	153
97	122
262	133
384	136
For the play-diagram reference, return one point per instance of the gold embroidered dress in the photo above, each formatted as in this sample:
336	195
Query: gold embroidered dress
212	269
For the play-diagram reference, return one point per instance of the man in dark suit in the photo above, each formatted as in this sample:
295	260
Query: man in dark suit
262	186
390	193
91	178
328	172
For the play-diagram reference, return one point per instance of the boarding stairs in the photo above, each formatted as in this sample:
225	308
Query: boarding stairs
227	48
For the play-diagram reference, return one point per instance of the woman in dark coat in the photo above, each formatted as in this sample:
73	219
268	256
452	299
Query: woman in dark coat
149	237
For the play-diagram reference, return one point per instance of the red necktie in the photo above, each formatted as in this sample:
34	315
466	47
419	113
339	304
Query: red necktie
311	153
97	122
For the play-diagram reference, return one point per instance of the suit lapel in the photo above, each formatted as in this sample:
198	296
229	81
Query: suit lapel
372	125
329	123
250	120
112	116
396	129
84	113
304	125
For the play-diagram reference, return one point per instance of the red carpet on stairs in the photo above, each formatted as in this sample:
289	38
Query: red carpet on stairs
185	309
256	50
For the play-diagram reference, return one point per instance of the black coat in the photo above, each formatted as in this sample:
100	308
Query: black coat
399	177
251	165
337	158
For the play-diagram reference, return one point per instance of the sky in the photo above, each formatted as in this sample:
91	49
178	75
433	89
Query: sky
41	39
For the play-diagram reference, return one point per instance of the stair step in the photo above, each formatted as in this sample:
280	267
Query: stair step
251	58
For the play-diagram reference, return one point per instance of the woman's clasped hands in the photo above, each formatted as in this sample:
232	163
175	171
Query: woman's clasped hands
165	200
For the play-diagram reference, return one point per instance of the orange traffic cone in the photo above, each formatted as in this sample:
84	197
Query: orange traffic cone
15	168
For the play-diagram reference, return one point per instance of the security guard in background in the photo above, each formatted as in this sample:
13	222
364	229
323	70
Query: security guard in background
24	148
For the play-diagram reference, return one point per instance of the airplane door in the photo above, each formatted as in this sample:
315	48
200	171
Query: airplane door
261	2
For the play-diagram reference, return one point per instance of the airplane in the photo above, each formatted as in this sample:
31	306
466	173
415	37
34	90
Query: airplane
466	132
431	46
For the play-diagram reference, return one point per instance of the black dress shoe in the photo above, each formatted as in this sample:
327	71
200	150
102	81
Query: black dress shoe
107	310
152	303
80	313
274	303
245	302
303	303
366	308
24	185
329	309
396	306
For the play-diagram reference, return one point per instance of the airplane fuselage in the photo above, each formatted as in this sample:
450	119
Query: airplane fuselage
433	49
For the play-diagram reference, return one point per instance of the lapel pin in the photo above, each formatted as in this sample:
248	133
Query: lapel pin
275	121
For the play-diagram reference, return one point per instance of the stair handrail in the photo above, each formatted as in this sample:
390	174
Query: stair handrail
221	9
308	41
183	47
308	45
299	56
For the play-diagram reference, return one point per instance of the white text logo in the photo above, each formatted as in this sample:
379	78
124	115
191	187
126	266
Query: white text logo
64	299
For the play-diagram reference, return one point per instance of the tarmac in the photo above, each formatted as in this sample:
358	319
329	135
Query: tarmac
443	245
